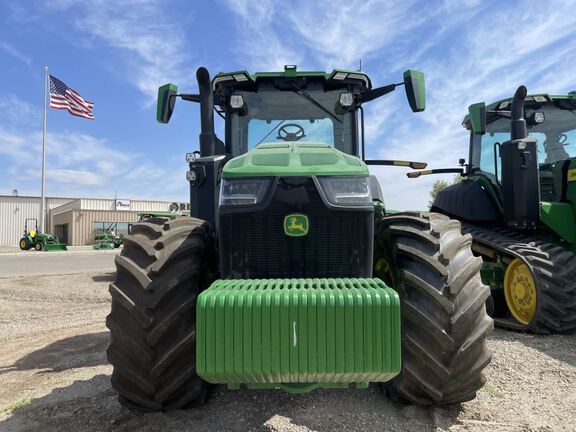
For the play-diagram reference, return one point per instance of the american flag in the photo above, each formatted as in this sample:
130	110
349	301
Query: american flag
63	97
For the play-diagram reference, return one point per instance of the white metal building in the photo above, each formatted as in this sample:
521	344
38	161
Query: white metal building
75	220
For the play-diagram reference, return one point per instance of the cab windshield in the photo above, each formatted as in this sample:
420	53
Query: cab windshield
556	137
289	115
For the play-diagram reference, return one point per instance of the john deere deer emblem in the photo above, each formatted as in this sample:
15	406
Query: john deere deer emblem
296	225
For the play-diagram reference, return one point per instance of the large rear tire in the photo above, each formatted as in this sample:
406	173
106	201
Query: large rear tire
163	267
444	320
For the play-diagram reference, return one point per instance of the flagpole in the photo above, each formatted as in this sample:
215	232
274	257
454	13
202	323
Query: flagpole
42	202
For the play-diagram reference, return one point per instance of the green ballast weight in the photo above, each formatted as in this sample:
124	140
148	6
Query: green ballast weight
298	334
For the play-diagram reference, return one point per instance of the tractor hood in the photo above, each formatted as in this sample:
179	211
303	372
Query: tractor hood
294	159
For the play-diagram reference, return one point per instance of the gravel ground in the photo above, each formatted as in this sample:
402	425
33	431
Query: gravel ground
54	377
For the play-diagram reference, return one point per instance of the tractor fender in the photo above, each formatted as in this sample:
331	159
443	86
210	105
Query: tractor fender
467	200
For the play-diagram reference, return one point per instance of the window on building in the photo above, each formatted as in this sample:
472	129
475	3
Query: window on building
119	228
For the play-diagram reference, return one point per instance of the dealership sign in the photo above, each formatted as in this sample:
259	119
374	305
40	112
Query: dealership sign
122	204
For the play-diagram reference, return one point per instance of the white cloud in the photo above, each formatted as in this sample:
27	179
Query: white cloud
78	164
70	176
16	111
6	47
262	45
470	51
148	43
335	33
341	32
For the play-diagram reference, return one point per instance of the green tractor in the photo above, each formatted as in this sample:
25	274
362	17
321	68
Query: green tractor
107	238
143	217
518	201
34	239
289	273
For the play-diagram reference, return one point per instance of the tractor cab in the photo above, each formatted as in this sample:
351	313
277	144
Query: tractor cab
551	120
290	107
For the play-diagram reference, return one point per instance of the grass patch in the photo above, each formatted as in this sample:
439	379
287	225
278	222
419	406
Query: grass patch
21	403
493	391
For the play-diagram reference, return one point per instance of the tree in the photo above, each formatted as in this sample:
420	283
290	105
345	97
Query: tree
440	185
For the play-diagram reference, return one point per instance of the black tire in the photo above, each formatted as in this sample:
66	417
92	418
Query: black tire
553	269
38	246
24	244
163	267
444	319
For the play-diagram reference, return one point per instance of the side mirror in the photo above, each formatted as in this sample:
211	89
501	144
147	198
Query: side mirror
166	100
415	89
477	114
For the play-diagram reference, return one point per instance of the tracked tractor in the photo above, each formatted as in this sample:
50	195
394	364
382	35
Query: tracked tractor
518	200
289	274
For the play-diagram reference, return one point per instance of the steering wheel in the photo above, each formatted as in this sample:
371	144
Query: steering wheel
286	135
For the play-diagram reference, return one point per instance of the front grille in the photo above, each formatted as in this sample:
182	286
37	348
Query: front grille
338	244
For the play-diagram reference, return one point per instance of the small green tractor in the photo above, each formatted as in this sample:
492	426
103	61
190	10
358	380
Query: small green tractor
107	238
34	239
289	273
518	201
143	217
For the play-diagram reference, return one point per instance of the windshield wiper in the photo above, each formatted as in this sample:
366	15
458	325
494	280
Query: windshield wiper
271	130
314	102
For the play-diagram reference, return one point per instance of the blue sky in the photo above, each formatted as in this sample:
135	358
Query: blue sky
116	54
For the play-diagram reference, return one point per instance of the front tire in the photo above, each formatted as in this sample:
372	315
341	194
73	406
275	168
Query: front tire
24	244
163	267
444	321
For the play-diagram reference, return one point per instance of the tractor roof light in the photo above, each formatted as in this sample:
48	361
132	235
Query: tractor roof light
540	99
236	102
340	75
240	77
236	77
346	100
537	117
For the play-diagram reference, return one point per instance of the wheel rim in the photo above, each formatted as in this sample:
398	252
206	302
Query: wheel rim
22	244
520	291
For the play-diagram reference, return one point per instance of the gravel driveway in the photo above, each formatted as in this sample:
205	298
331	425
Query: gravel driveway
54	377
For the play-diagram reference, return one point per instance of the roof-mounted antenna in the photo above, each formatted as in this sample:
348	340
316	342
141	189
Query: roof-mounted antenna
360	66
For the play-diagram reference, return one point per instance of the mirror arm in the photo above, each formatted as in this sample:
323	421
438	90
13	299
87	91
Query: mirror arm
370	95
190	97
400	163
417	174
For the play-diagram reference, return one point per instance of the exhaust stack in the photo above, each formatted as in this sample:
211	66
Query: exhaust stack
207	135
518	129
520	173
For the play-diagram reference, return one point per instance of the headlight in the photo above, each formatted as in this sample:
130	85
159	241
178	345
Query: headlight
244	191
346	190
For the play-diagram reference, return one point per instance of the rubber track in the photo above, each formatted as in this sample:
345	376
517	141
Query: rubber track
553	269
160	272
444	319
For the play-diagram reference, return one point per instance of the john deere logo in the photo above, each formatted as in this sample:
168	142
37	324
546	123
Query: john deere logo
296	225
